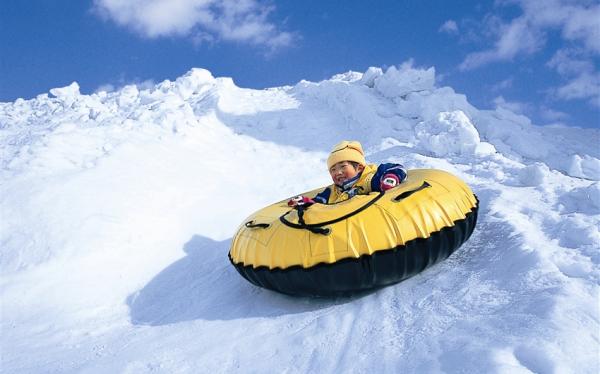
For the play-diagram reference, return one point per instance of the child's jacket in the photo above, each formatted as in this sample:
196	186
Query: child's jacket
369	180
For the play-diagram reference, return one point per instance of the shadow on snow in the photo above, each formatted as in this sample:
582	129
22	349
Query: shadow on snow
204	285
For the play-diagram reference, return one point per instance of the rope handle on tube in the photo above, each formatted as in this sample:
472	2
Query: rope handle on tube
313	229
318	228
406	194
252	225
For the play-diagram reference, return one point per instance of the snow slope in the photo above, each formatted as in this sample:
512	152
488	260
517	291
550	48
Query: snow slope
117	210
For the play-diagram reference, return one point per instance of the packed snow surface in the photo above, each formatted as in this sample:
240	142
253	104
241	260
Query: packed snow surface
118	208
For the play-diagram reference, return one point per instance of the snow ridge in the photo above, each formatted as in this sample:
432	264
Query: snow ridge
117	209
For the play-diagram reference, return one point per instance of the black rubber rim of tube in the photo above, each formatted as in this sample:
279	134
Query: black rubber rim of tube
353	275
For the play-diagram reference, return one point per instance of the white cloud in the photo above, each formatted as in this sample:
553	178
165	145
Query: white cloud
582	80
504	84
243	21
517	37
200	38
576	20
449	27
568	62
584	86
584	25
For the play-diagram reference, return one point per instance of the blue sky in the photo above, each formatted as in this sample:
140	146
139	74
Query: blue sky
539	58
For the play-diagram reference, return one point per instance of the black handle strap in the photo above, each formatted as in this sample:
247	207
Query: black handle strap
317	228
406	194
314	230
252	225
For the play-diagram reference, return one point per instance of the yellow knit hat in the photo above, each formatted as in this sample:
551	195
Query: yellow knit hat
347	150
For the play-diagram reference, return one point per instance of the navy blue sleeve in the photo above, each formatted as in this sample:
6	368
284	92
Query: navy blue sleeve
323	196
383	169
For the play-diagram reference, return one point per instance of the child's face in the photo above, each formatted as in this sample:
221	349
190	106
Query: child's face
344	170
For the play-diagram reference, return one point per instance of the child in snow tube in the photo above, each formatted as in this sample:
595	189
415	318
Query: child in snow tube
352	176
351	240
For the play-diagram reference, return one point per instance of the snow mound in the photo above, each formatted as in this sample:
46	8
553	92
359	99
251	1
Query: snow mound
534	175
403	81
584	167
68	91
117	211
451	133
572	151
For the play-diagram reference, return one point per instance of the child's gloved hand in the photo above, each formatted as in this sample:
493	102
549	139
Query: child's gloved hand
389	181
300	201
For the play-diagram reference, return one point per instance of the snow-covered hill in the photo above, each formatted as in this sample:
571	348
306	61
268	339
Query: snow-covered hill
117	211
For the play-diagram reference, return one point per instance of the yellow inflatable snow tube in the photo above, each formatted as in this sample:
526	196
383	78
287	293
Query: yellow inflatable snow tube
366	242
